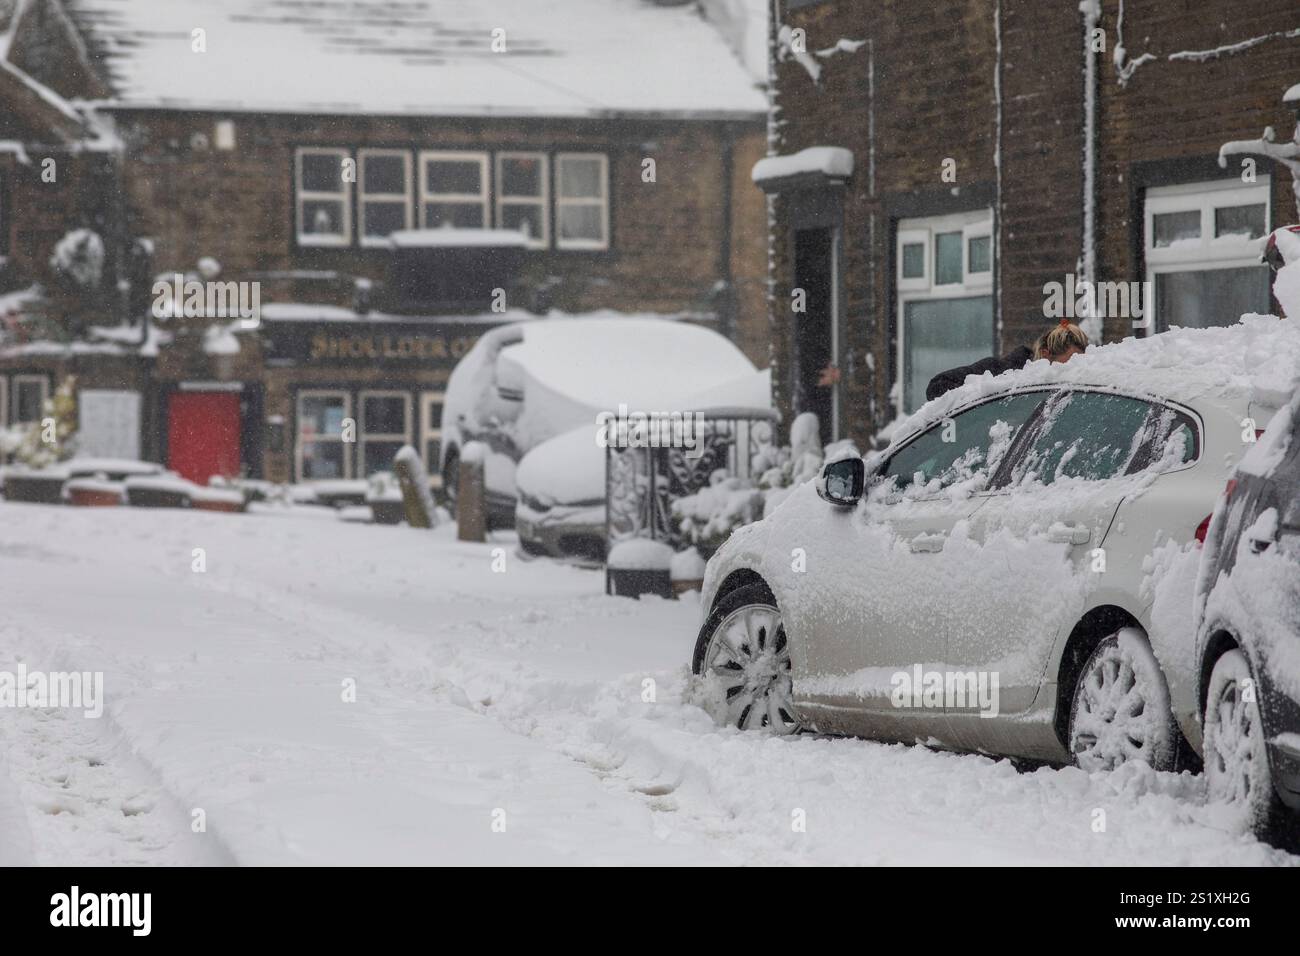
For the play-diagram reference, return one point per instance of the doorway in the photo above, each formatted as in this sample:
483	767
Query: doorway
203	434
816	387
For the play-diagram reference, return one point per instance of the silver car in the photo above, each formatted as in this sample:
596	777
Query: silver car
986	583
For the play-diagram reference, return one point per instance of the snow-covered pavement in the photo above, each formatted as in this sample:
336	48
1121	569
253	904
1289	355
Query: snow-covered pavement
500	716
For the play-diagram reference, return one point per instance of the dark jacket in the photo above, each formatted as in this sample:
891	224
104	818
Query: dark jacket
946	381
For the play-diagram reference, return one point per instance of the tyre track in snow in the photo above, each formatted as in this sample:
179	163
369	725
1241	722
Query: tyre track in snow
81	794
860	801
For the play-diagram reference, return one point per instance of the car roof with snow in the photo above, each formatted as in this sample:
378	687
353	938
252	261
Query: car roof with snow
1255	360
649	364
426	57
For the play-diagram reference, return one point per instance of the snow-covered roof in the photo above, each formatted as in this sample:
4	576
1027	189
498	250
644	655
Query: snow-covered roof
418	57
832	162
444	237
1292	95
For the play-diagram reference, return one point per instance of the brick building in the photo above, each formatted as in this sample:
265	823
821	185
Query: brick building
979	153
350	159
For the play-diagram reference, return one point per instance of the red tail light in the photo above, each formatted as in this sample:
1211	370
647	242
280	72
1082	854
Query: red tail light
1203	528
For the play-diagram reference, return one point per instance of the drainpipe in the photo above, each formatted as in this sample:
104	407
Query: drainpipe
1091	10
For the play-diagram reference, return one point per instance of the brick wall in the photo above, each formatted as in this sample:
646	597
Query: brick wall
238	206
935	97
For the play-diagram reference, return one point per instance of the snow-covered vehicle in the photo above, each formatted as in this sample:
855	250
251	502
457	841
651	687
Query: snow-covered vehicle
561	482
525	383
980	584
1248	637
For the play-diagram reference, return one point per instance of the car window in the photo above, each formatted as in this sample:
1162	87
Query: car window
1168	437
964	446
1095	435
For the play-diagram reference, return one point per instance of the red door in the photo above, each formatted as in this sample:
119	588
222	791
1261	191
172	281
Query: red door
203	434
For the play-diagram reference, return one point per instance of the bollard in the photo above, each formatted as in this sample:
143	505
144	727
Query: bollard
414	480
471	494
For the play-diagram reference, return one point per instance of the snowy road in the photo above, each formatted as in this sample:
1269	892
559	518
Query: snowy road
517	716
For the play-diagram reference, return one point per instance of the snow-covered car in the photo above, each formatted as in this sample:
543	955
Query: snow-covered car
980	584
1248	637
525	383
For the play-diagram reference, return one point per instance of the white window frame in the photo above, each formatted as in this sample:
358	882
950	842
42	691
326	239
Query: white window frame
542	201
302	197
297	435
1210	253
391	199
430	430
971	225
481	198
561	201
17	382
365	436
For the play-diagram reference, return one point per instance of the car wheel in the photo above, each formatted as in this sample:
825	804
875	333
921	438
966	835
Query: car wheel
744	651
1121	708
1236	764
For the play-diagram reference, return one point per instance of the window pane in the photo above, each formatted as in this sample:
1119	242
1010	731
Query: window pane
1085	435
1240	222
432	452
459	214
383	218
980	254
322	460
947	258
385	174
320	415
940	334
453	176
322	172
322	217
581	222
521	176
384	415
913	260
580	178
1171	227
28	403
982	436
379	456
525	219
1210	297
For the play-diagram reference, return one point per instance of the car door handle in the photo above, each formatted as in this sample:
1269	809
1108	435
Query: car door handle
1069	533
928	542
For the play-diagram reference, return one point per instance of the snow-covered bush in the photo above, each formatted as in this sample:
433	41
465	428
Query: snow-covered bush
78	260
41	446
707	518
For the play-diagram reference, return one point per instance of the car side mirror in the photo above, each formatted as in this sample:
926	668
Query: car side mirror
841	482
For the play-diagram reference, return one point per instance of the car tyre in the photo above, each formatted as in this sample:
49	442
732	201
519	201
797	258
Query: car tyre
1121	711
742	649
1236	759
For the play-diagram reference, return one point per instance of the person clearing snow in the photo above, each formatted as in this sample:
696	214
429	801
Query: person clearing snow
1061	344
